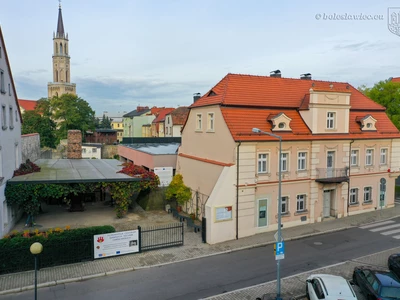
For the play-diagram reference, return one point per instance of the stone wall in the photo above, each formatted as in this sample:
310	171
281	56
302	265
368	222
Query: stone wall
30	147
108	151
74	147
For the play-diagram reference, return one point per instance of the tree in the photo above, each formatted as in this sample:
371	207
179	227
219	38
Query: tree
387	94
69	112
33	122
105	122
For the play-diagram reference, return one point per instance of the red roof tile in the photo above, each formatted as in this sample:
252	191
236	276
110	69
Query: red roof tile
241	121
27	104
179	115
264	91
395	79
162	113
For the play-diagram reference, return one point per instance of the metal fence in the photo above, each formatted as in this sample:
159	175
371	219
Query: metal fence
158	237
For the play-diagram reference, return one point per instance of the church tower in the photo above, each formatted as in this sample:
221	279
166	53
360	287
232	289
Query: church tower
61	63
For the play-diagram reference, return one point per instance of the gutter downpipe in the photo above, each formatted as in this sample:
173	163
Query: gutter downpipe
237	191
348	180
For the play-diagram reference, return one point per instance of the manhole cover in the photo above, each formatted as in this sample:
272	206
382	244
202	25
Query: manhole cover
318	243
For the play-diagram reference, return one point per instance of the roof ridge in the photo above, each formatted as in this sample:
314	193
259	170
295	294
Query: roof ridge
225	88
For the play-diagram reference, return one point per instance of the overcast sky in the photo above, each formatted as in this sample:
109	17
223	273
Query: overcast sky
125	52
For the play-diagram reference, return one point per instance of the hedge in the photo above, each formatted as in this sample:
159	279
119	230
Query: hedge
59	247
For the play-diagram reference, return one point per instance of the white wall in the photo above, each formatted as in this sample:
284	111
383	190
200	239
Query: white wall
90	152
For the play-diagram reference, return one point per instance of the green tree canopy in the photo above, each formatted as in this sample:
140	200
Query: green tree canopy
105	122
69	112
387	94
33	122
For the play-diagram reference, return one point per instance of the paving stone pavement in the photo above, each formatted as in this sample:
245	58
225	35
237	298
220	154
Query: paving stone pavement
192	249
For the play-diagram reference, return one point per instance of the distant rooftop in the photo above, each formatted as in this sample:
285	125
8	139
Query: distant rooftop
155	148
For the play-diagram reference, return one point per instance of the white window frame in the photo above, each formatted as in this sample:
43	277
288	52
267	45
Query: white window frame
94	150
262	163
354	157
330	120
353	197
210	122
11	119
285	162
369	157
383	156
368	194
301	161
301	201
3	117
199	122
2	84
284	201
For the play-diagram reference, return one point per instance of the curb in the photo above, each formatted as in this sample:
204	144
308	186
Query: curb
109	273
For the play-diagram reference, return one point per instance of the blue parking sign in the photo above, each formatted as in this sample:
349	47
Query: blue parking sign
280	250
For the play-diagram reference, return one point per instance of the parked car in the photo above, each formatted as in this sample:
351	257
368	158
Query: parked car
329	287
394	264
377	284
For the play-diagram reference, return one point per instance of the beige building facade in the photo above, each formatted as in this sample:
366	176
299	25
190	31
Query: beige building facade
61	83
340	154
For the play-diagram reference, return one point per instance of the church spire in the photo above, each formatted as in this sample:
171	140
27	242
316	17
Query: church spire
60	24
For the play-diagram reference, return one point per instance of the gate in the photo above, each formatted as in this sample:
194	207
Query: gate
158	237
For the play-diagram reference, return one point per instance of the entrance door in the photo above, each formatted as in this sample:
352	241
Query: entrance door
330	164
262	213
327	204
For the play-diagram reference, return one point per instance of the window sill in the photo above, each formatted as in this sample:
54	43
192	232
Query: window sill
11	127
198	130
367	202
354	204
301	212
210	131
285	214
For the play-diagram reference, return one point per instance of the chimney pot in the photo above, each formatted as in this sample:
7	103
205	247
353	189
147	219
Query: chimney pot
306	76
196	96
276	74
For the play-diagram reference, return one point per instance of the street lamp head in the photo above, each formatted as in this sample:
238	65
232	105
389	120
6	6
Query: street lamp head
36	248
256	130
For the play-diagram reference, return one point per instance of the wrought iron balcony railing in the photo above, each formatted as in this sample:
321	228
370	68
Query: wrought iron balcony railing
332	175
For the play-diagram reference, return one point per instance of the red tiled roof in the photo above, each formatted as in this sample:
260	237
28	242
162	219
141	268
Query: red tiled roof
264	91
241	121
161	114
27	104
395	79
155	110
179	115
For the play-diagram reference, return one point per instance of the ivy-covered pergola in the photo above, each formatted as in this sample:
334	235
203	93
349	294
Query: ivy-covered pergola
64	178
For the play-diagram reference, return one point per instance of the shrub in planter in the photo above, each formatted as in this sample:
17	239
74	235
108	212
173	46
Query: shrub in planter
178	191
60	246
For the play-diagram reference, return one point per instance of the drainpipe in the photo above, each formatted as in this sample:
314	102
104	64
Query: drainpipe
237	190
348	180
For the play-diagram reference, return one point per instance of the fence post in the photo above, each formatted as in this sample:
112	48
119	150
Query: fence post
182	228
92	247
140	238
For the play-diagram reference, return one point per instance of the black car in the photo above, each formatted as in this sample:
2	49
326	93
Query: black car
394	264
377	284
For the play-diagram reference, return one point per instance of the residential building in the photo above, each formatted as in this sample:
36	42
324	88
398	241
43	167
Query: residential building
340	153
26	105
61	62
10	137
91	150
134	120
175	120
102	136
118	125
157	125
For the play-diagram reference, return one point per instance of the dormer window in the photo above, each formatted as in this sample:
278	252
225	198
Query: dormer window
280	122
368	123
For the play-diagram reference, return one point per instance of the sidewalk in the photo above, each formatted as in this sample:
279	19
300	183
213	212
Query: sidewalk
192	249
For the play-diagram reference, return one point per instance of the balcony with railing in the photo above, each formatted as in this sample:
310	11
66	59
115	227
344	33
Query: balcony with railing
332	175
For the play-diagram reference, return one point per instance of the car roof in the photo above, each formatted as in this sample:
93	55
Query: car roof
336	285
387	278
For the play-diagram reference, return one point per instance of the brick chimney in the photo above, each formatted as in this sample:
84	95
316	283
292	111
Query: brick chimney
141	108
74	146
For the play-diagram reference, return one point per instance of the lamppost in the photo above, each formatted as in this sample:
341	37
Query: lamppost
36	249
278	262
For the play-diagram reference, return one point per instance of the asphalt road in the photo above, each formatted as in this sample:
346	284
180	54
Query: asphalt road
216	274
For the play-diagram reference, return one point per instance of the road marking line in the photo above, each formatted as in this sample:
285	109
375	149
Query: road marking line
384	228
376	224
396	237
390	232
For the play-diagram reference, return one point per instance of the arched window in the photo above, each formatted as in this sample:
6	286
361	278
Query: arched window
56	76
65	49
66	76
56	48
61	51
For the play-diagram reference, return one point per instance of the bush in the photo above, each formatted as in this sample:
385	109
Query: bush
60	246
